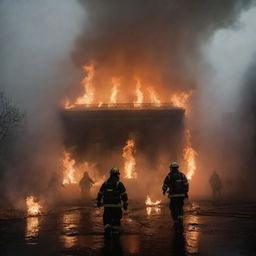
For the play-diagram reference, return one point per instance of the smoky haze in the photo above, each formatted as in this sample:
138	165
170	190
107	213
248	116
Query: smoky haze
44	45
157	41
164	44
36	72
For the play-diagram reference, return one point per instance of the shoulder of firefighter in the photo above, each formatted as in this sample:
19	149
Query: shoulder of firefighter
113	194
176	184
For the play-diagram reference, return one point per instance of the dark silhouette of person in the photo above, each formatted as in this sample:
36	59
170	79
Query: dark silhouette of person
113	196
85	185
216	185
176	184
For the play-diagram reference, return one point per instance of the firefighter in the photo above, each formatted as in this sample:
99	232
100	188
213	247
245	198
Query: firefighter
85	184
113	194
176	184
216	185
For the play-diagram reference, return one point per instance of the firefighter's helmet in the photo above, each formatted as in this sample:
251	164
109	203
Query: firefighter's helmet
114	171
174	165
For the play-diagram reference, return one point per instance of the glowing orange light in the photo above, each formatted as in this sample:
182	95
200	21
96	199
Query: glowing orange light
116	82
139	94
180	100
189	155
33	207
89	90
130	162
87	83
149	202
68	105
153	97
69	169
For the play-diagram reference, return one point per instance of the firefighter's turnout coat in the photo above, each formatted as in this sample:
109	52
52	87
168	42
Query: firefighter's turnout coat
176	183
113	193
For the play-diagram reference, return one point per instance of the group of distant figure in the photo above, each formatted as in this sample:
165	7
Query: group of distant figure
86	183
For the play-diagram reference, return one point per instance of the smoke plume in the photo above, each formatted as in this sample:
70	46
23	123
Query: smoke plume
44	45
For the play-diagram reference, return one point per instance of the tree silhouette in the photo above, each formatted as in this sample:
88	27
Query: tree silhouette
10	115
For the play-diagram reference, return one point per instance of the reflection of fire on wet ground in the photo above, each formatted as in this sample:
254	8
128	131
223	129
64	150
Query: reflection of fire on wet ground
79	231
32	227
152	206
70	228
192	233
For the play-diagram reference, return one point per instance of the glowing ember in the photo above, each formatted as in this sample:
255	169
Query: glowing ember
153	97
114	91
149	202
130	162
33	207
139	94
189	155
180	100
69	169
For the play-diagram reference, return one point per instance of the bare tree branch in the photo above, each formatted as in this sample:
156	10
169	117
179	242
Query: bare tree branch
10	115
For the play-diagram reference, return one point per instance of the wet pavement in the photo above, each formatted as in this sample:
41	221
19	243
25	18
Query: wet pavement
227	228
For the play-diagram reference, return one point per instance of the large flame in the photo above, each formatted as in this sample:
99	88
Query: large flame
149	202
33	206
139	94
180	100
130	162
189	155
116	82
89	89
69	169
154	97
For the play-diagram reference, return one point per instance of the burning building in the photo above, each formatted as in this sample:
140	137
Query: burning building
98	132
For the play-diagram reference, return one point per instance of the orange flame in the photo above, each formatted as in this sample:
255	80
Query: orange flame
88	97
149	202
69	169
180	100
139	94
114	90
189	155
151	209
130	162
33	207
89	90
153	97
68	105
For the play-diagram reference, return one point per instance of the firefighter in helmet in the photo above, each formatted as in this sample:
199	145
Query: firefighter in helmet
176	184
112	196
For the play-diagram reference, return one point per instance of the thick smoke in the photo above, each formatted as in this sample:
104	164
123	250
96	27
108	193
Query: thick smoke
226	138
35	72
44	44
157	41
163	43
